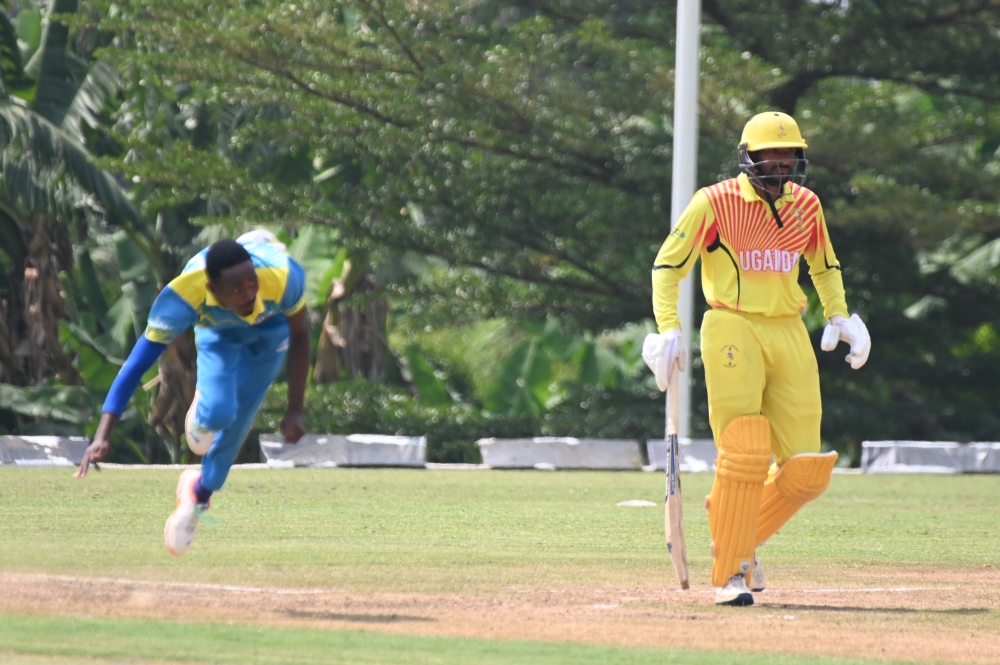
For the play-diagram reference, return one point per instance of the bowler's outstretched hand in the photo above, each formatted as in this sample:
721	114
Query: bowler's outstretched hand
292	427
95	451
100	445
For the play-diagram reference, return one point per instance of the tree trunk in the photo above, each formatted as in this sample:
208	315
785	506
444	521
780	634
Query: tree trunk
352	343
44	307
178	378
12	369
12	327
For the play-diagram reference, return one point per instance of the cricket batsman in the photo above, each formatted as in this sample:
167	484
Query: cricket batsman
246	300
760	369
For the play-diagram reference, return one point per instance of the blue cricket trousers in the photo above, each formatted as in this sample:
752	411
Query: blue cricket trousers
236	366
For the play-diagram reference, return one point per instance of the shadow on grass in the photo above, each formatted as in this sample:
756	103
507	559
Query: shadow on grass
357	618
958	611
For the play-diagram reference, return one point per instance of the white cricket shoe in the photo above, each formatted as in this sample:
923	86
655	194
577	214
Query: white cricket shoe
756	575
178	532
734	593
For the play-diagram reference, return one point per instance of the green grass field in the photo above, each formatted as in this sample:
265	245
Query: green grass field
433	532
25	640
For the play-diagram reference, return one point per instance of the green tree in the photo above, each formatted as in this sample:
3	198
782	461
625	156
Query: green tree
481	144
526	147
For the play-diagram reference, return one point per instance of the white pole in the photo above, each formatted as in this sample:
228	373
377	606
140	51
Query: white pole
685	170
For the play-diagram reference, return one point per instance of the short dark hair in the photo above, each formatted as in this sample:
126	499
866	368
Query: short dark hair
224	254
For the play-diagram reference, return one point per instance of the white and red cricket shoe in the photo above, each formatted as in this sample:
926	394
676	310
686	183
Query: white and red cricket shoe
178	533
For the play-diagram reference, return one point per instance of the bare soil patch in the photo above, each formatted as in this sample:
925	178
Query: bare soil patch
931	615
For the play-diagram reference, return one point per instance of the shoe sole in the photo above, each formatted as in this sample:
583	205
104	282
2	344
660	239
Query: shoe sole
170	549
757	590
166	527
742	600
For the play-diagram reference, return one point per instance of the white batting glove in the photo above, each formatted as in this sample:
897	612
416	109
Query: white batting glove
664	354
852	331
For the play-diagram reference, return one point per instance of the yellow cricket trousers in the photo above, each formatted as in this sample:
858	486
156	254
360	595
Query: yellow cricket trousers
758	364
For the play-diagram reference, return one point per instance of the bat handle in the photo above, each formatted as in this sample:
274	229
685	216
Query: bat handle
673	404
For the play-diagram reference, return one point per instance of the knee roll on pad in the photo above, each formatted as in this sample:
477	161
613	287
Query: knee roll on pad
799	480
734	504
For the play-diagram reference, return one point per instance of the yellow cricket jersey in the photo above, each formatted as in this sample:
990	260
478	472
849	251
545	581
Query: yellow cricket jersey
749	263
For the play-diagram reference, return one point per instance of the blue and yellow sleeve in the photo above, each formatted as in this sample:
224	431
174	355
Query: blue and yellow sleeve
142	357
294	297
170	316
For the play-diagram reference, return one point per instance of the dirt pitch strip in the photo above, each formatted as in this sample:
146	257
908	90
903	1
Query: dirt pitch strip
932	616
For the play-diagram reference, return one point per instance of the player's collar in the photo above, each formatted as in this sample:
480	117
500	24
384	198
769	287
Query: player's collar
258	306
749	192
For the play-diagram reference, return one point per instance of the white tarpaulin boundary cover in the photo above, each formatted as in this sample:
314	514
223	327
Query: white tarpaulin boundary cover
319	450
930	457
696	455
42	450
552	452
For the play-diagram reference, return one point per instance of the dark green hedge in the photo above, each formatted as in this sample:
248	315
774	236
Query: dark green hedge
360	407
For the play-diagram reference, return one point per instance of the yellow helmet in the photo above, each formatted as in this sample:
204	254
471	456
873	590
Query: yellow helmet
772	130
768	131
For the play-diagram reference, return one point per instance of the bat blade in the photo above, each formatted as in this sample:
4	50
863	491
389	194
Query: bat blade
673	513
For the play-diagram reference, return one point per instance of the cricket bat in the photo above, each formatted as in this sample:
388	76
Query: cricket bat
673	513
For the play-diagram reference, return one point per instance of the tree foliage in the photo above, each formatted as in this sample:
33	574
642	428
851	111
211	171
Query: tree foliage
526	147
511	160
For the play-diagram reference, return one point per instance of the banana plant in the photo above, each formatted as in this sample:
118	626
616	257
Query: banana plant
981	265
50	188
550	365
55	195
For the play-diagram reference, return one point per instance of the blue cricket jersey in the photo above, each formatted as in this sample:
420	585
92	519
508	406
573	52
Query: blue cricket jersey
186	300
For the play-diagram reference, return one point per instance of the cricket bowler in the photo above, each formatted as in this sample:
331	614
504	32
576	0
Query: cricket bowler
246	300
760	369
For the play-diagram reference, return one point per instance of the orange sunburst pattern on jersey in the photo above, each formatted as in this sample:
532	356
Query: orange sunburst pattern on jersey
747	226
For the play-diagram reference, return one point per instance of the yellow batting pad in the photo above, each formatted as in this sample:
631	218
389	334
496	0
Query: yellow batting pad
799	480
734	505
